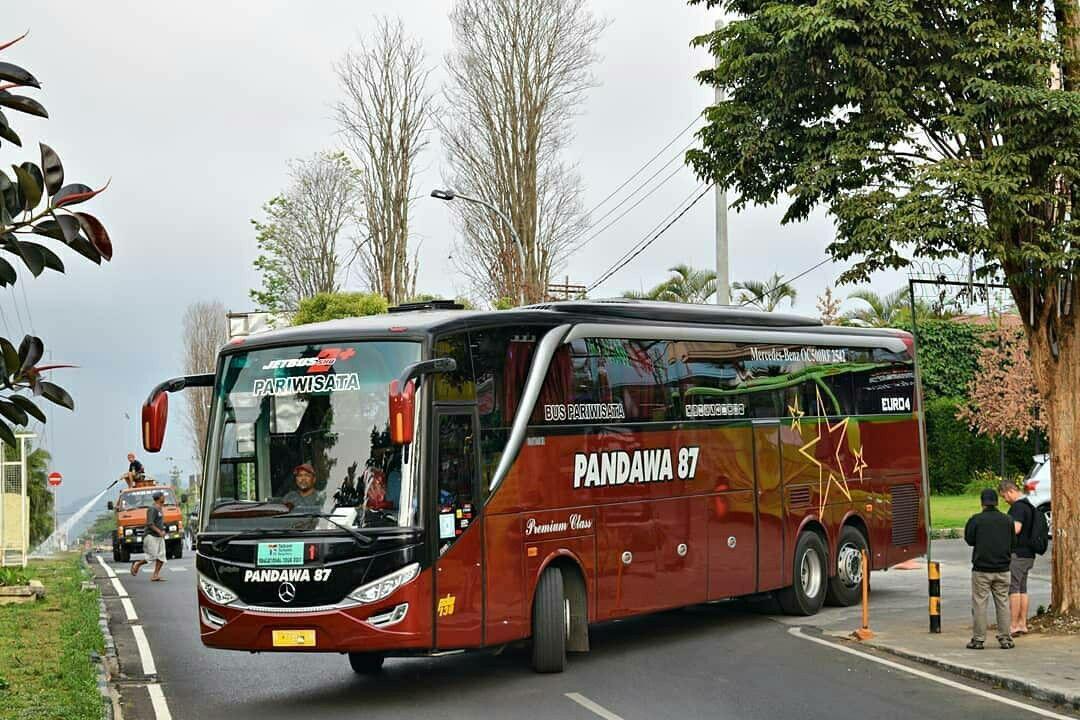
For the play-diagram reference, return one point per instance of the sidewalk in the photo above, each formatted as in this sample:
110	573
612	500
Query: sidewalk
1044	667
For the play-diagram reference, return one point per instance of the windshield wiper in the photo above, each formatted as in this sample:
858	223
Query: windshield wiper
248	509
220	543
361	539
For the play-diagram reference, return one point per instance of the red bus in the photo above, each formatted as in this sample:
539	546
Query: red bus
438	480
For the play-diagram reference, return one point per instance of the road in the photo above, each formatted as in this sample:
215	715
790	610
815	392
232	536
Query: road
727	660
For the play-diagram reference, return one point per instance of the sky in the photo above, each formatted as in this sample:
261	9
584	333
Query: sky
193	110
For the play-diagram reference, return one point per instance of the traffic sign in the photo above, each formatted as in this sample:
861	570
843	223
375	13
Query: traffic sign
55	478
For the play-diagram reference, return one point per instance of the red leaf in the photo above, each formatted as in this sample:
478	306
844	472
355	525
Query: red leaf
97	234
43	368
75	193
8	44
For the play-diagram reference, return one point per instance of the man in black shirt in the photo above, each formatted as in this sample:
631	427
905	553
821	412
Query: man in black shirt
1023	515
990	533
135	470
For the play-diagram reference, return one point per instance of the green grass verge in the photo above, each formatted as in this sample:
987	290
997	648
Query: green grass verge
952	511
45	667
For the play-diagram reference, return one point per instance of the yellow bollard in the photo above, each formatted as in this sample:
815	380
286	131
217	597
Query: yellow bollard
933	571
865	633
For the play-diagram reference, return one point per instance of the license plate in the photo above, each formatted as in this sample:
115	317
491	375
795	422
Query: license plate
294	638
286	553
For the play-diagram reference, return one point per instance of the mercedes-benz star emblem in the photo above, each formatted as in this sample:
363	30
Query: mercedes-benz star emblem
286	591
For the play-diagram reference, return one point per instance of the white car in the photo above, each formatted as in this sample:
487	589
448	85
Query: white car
1037	486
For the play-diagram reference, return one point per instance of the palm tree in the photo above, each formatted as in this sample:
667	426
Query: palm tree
883	310
766	295
687	285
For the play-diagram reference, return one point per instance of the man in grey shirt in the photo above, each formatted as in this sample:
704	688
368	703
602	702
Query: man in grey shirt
304	497
153	538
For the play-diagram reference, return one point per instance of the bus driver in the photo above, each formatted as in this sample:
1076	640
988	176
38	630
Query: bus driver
304	496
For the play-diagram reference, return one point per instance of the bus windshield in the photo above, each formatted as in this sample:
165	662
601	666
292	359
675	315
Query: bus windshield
307	428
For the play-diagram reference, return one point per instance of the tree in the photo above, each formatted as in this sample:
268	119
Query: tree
829	307
517	72
946	129
1002	400
304	242
205	331
883	310
333	306
385	120
766	295
686	285
38	494
22	215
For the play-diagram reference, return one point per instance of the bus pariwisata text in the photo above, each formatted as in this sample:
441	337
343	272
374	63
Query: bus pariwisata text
438	480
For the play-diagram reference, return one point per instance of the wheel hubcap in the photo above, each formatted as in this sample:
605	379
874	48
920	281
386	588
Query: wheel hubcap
810	574
849	565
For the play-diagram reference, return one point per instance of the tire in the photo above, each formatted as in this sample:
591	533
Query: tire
116	552
366	663
1045	510
123	555
174	549
807	595
549	623
845	588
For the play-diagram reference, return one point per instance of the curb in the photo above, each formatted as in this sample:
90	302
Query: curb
1030	689
107	664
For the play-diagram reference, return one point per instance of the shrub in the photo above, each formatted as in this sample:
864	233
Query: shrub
333	306
13	576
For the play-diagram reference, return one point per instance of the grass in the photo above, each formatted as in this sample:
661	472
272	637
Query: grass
45	667
952	511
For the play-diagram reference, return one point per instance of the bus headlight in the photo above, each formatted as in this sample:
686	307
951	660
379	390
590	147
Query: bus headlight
217	593
378	589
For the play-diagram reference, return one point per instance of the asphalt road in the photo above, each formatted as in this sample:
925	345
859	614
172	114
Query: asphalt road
726	660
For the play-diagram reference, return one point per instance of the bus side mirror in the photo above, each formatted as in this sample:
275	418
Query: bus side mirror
155	415
402	409
109	505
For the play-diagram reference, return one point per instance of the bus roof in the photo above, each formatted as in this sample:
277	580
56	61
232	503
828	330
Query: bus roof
435	318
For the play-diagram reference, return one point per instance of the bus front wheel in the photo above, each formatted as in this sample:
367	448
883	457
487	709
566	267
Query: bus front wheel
807	592
366	663
550	623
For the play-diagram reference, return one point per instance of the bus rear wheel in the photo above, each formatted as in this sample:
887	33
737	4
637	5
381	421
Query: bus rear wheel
845	589
366	663
550	623
807	594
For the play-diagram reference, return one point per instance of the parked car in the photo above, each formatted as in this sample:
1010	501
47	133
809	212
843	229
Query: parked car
1037	486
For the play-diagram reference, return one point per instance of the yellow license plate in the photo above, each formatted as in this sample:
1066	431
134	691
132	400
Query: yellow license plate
294	638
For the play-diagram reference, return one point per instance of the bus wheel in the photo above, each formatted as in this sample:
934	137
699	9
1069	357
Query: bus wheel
807	594
550	623
846	588
366	663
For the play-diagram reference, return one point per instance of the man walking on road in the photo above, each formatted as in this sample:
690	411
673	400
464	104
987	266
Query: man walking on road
991	535
153	538
1023	559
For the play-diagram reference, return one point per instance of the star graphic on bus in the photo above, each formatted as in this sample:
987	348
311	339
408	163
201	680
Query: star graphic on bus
835	437
797	414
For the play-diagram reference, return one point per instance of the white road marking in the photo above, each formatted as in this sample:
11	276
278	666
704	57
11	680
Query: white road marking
120	591
593	707
797	632
129	609
148	666
178	569
157	699
108	570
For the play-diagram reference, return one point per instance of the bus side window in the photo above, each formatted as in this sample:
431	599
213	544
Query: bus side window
457	501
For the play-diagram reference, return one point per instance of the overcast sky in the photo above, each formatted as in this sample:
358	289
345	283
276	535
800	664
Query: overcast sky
193	110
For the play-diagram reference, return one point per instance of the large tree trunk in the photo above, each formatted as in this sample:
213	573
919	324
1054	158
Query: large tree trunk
1058	378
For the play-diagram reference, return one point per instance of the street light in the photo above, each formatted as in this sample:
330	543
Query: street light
450	194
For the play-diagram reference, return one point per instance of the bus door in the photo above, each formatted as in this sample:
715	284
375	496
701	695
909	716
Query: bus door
768	487
459	580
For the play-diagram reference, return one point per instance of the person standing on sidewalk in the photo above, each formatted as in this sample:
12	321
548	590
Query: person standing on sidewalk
991	534
153	538
1023	559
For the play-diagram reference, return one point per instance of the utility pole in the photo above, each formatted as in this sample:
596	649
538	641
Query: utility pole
723	289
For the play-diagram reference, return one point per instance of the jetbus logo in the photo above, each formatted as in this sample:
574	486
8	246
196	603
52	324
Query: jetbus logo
319	364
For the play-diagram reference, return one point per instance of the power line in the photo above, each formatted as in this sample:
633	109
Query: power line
26	304
18	315
653	239
648	233
805	272
648	162
623	214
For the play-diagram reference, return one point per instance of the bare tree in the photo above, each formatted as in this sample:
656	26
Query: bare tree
385	119
305	242
518	71
205	331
